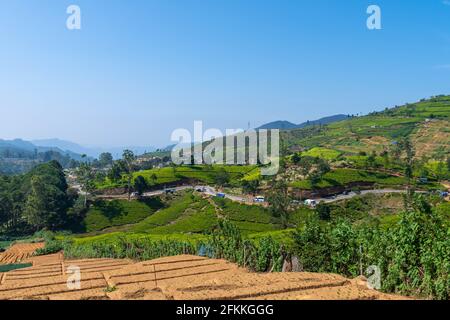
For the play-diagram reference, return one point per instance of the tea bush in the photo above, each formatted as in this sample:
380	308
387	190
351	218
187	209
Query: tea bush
413	255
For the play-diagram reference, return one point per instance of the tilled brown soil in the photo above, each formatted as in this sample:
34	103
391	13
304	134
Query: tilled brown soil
19	252
179	277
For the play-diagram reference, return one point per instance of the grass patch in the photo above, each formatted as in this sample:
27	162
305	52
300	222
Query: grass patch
234	211
324	153
165	216
196	222
115	236
105	214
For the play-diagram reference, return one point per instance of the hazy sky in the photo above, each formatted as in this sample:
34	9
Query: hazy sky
139	69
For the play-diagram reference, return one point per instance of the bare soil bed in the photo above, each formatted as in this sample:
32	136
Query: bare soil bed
19	252
178	277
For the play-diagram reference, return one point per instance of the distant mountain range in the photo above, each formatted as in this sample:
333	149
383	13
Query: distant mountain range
19	148
91	151
286	125
18	156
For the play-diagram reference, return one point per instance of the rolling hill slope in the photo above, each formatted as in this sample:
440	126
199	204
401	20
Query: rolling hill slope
425	122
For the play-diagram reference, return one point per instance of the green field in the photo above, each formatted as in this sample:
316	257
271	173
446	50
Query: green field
324	153
106	214
185	213
192	214
116	236
165	216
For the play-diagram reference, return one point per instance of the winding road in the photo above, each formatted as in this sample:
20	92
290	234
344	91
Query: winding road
245	199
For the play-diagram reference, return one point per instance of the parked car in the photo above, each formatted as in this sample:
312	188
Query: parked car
259	199
311	203
220	195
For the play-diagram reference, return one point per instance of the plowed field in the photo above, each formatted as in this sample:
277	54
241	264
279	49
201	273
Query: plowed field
179	277
19	252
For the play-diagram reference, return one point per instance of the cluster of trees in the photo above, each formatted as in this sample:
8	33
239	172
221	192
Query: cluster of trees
104	161
36	200
311	167
412	256
87	172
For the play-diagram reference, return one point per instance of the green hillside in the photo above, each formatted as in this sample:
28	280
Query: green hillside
189	213
105	214
378	130
201	173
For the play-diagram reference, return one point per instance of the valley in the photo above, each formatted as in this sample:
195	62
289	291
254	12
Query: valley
347	193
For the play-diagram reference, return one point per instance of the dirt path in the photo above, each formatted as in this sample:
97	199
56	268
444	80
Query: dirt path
178	277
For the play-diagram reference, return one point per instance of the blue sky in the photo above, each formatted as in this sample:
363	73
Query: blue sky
139	69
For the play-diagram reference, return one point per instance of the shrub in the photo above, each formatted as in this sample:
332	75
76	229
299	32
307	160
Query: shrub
413	255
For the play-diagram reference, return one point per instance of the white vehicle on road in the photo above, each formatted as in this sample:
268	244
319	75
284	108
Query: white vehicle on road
259	199
311	203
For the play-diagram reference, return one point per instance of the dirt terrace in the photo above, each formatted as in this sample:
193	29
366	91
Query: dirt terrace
19	252
179	277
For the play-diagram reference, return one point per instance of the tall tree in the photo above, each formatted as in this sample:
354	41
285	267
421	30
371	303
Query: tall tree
5	208
105	159
407	147
279	201
46	205
85	176
250	186
115	173
128	158
140	185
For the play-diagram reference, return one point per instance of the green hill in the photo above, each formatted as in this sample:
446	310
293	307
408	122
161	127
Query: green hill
425	122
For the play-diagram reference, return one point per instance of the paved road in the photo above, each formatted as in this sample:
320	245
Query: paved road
208	190
354	194
160	192
212	192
